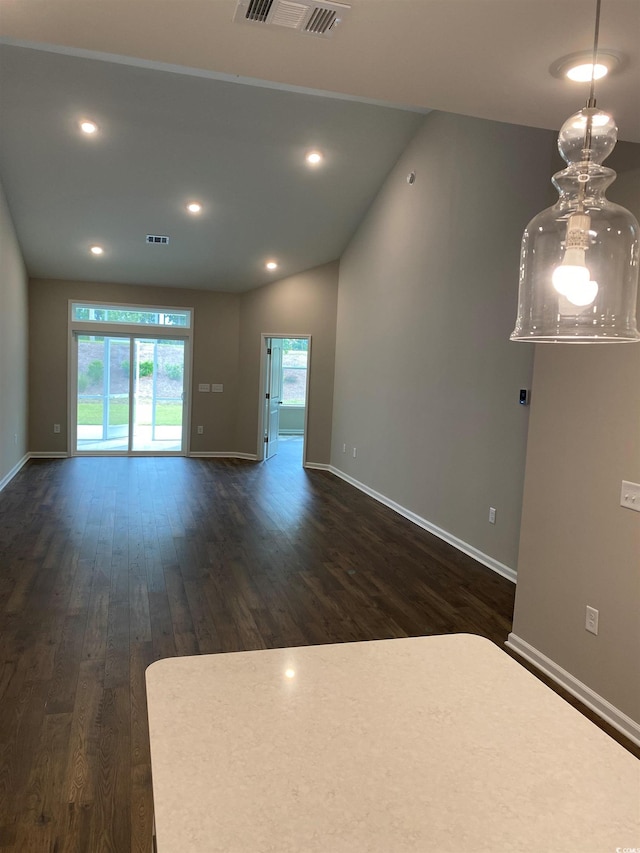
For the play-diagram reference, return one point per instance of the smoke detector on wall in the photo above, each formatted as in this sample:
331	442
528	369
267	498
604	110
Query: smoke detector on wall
305	16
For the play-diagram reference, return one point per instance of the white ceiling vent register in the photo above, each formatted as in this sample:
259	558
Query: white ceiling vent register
158	239
307	17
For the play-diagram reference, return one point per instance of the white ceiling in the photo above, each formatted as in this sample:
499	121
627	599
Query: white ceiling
172	85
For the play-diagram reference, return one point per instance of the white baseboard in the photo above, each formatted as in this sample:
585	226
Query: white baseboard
317	466
605	710
214	454
485	559
39	455
12	473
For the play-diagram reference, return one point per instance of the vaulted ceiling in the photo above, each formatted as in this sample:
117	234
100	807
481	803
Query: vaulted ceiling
192	106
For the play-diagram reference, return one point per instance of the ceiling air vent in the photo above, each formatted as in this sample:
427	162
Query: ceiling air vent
321	21
157	239
306	16
258	10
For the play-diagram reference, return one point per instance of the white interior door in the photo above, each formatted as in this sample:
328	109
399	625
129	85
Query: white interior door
274	395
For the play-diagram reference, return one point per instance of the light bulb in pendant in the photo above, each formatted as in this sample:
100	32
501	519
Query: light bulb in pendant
582	294
572	275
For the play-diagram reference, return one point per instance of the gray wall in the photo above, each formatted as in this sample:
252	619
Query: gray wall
427	380
223	353
303	304
578	546
13	346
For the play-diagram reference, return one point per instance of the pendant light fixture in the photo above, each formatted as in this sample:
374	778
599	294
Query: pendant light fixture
579	258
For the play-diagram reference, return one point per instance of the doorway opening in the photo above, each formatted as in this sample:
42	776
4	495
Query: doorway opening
284	396
130	394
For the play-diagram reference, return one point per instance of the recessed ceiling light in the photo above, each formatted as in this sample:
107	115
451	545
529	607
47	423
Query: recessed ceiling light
271	265
88	127
578	66
97	250
313	158
194	207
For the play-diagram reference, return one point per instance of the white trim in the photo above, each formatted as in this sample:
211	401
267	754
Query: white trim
12	473
318	466
130	333
215	454
491	563
604	709
85	454
48	454
264	336
92	325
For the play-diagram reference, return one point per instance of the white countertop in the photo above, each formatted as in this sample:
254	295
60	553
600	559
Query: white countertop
430	744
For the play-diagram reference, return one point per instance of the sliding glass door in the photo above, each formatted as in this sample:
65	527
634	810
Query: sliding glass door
102	371
158	394
130	394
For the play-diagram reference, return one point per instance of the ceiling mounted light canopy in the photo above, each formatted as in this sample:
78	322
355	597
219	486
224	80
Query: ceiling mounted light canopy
97	250
579	258
271	265
314	158
194	207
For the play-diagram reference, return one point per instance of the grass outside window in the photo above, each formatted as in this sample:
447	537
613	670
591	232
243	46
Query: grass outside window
90	413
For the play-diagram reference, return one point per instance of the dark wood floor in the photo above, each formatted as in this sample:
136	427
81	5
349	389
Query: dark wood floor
110	564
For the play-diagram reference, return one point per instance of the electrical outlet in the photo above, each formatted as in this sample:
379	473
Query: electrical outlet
354	453
200	430
591	620
630	495
344	448
56	428
492	515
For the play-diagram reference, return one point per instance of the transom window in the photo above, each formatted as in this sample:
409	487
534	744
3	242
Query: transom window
90	312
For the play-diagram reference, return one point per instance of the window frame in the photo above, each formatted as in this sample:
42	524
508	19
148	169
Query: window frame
163	330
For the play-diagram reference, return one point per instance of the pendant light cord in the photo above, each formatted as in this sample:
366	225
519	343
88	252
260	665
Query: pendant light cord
592	101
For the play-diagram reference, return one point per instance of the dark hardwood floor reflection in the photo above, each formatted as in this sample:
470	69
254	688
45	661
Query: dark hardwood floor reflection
108	564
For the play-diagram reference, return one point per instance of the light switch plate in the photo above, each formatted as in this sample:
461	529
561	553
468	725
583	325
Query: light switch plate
203	386
630	495
217	388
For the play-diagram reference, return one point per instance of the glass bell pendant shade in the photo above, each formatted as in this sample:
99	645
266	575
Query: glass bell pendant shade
579	258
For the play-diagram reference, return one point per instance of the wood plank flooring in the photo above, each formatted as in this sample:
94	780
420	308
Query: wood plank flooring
108	564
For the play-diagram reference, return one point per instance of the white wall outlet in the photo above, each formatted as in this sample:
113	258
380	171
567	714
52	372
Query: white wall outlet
344	448
630	495
56	428
492	515
354	453
200	430
217	388
204	386
591	620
